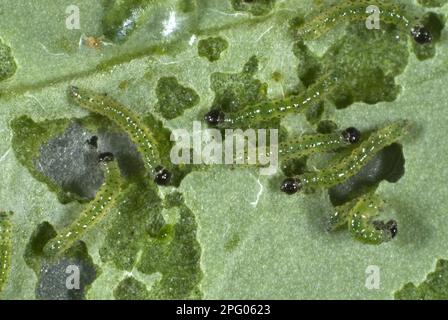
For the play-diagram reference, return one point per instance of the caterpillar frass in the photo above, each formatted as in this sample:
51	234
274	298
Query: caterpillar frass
5	246
96	209
350	165
356	10
363	228
274	109
306	145
130	123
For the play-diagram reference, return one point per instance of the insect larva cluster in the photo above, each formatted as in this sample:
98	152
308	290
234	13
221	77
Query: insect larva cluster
351	164
95	210
358	213
5	247
356	10
362	151
109	190
358	216
129	122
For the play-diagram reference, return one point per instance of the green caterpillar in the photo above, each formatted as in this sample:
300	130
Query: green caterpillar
96	209
129	122
363	228
308	144
5	246
350	165
356	10
274	109
305	145
358	215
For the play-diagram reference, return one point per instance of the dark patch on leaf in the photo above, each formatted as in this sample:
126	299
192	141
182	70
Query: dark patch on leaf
234	91
211	48
387	165
326	126
34	248
174	98
178	259
8	64
140	210
58	278
435	287
131	289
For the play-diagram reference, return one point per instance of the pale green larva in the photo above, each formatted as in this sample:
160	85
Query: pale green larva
361	224
273	109
391	12
95	210
358	215
309	144
350	165
130	123
5	246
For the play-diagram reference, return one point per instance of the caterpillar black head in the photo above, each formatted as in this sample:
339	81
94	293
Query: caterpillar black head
421	35
290	186
106	157
162	176
351	135
214	117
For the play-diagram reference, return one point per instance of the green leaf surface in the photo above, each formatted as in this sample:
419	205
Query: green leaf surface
435	287
226	232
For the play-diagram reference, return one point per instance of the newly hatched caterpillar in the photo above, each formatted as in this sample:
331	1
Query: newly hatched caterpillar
358	214
350	165
272	109
356	10
305	145
308	144
5	246
130	123
96	209
363	228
